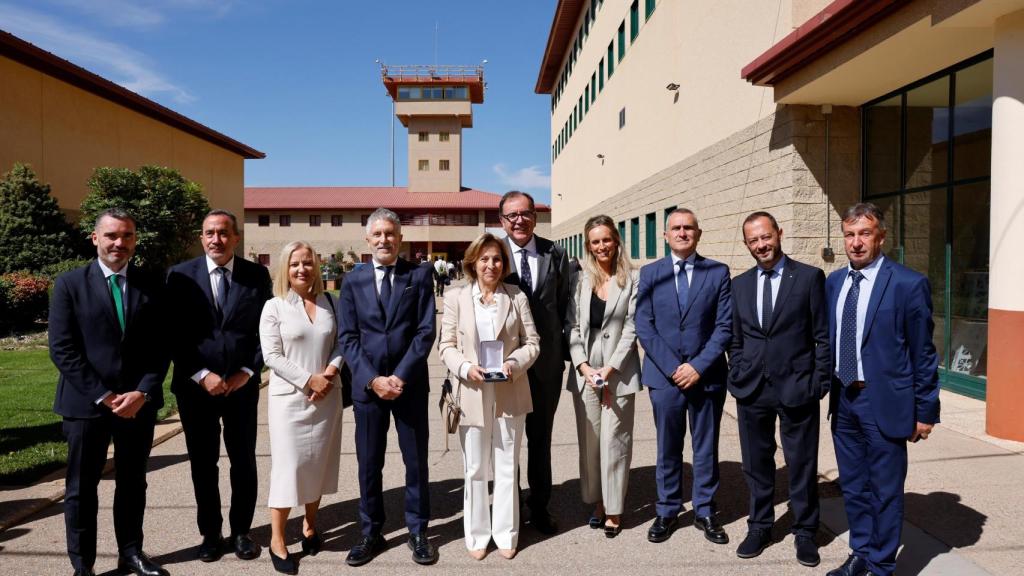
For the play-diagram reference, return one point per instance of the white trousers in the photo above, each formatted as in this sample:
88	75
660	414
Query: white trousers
491	451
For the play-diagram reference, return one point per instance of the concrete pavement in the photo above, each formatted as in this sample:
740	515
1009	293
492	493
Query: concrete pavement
962	508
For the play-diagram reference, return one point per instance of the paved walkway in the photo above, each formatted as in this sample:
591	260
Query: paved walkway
963	506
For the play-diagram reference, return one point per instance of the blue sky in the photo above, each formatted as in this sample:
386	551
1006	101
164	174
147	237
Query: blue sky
297	79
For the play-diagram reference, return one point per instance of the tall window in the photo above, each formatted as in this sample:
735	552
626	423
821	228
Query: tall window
665	221
622	233
927	164
284	220
611	59
622	118
649	8
443	136
586	99
442	165
314	219
634	238
622	40
651	235
600	75
593	87
424	165
424	136
634	20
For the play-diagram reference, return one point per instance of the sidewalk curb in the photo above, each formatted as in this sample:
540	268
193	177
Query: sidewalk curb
165	430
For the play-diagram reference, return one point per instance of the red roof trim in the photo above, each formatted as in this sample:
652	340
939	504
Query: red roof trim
34	57
828	29
368	198
563	27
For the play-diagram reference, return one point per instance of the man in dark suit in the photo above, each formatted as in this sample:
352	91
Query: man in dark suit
684	323
779	367
217	300
885	388
106	326
386	328
541	269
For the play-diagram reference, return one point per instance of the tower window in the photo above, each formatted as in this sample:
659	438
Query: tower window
424	137
442	165
424	165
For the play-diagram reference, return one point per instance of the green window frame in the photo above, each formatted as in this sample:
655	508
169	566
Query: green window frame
634	238
600	76
634	20
593	86
664	221
622	40
651	235
611	59
622	231
649	6
586	99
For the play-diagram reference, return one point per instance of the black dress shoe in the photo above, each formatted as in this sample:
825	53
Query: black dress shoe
756	541
662	528
365	550
141	565
595	521
423	552
211	549
244	547
807	551
853	566
712	530
312	544
544	523
286	565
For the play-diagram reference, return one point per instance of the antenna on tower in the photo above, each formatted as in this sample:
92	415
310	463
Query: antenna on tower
436	26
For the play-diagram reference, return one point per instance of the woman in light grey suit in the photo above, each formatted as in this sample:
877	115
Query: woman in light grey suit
603	347
298	337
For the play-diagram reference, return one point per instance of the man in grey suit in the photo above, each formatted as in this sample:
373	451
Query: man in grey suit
541	269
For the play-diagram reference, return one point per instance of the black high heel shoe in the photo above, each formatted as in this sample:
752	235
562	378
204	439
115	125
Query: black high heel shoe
312	544
286	565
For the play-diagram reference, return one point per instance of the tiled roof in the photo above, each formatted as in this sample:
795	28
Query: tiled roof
368	197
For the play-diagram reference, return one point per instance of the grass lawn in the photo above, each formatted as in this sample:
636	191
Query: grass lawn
31	443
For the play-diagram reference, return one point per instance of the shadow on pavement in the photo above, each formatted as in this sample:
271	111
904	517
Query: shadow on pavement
941	515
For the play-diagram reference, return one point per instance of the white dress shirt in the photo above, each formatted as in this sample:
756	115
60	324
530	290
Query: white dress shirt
776	280
531	258
211	268
378	273
867	283
486	316
122	280
689	269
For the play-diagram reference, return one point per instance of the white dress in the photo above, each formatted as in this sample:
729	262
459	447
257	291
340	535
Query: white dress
305	436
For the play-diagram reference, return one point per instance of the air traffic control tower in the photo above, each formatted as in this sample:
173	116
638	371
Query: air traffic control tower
435	103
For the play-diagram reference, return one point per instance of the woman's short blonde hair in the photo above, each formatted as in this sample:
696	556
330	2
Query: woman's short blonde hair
476	248
281	282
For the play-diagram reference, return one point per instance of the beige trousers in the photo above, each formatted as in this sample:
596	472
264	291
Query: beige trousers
606	447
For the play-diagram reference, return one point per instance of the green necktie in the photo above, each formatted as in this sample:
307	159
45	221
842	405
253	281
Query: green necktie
115	290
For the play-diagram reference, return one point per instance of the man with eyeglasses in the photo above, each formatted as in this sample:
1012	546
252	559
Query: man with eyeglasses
541	269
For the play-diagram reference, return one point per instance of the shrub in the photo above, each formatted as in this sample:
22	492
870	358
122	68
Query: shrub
51	271
24	299
33	231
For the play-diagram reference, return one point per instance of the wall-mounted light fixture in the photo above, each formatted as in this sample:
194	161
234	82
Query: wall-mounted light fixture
672	87
601	158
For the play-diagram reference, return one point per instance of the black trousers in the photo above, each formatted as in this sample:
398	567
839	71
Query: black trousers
412	424
545	390
88	440
202	416
798	427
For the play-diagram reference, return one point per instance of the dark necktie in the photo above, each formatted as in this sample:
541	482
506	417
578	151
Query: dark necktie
682	286
115	291
848	331
222	288
525	275
385	289
766	299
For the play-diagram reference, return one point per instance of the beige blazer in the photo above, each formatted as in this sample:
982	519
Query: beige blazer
617	339
458	344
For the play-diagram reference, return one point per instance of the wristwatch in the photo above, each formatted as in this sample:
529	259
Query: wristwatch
145	397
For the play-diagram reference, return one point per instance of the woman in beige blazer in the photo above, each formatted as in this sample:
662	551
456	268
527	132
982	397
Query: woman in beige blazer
602	343
486	310
298	337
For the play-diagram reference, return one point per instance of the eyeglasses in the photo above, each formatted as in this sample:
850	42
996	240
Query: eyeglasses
529	216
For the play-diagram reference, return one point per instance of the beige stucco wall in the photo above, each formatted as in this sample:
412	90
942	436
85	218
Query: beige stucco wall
776	164
433	150
65	133
700	45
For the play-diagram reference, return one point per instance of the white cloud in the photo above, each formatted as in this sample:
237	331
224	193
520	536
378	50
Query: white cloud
529	178
118	63
142	14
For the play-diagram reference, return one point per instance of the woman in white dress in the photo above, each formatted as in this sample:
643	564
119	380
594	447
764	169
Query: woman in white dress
487	310
298	334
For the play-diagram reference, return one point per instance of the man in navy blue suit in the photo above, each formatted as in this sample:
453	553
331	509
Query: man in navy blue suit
217	300
684	323
386	329
106	326
885	387
779	369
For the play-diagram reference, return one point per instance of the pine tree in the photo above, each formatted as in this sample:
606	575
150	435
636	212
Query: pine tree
33	230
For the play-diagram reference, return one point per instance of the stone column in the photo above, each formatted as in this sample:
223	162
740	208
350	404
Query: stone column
1005	391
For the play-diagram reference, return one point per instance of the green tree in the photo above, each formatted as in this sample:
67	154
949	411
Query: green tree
169	210
33	231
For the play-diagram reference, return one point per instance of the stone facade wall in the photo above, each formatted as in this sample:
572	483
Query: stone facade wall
776	164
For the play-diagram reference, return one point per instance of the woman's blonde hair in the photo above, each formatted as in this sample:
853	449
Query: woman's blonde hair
281	282
477	247
621	265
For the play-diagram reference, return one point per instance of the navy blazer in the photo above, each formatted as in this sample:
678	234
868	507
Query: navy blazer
398	346
897	353
87	347
794	350
200	340
698	335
